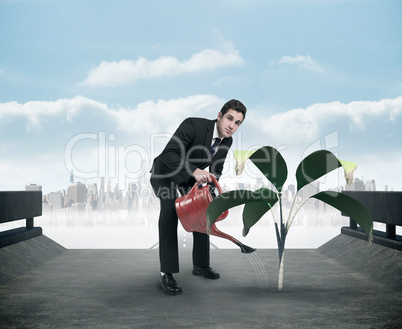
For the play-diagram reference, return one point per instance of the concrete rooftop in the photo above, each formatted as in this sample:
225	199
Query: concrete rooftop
344	284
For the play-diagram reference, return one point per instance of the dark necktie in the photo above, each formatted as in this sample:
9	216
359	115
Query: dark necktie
213	146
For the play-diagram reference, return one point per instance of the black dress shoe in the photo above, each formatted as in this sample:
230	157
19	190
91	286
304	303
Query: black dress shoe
169	285
206	272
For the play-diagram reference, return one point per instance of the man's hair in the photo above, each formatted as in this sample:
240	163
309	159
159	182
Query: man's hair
235	105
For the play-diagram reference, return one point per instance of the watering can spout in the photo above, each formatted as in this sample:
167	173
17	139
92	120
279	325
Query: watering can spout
246	249
192	212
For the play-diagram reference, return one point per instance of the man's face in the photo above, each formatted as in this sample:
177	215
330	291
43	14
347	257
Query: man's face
227	124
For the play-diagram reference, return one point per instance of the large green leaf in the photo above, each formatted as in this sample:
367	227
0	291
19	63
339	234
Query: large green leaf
229	200
350	207
253	211
271	163
314	166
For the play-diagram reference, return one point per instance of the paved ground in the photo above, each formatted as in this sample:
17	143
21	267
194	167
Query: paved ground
119	289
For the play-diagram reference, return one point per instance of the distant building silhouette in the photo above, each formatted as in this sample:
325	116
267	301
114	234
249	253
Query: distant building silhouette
76	193
292	188
56	200
118	195
357	185
109	188
309	190
92	192
92	196
370	185
132	196
33	187
77	208
239	186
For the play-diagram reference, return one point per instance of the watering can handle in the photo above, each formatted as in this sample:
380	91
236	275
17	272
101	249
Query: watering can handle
215	181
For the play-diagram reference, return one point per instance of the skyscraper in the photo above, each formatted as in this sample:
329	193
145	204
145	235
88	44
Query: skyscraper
56	200
370	185
357	185
109	188
76	193
33	187
102	187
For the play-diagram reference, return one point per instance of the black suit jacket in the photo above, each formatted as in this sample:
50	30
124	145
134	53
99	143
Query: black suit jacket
187	150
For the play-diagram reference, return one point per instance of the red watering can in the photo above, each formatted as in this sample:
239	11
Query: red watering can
192	212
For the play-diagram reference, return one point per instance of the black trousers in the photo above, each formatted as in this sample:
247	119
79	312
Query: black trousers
168	222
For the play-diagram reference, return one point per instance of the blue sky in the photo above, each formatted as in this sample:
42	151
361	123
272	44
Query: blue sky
99	85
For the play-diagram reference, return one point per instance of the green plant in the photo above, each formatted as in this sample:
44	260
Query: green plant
272	165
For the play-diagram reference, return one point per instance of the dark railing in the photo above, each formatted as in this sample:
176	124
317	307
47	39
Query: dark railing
17	205
384	207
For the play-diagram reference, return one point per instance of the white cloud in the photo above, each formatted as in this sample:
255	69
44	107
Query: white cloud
157	116
113	74
147	117
38	132
36	112
45	134
302	62
306	124
87	115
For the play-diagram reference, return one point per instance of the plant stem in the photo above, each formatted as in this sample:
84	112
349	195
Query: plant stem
294	215
291	208
280	277
281	237
273	215
280	210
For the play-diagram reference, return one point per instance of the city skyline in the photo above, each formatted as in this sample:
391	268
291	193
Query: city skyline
80	193
114	215
100	86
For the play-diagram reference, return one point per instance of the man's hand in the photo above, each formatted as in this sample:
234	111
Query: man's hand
203	176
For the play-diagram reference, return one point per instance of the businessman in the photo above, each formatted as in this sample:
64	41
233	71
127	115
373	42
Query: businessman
198	144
